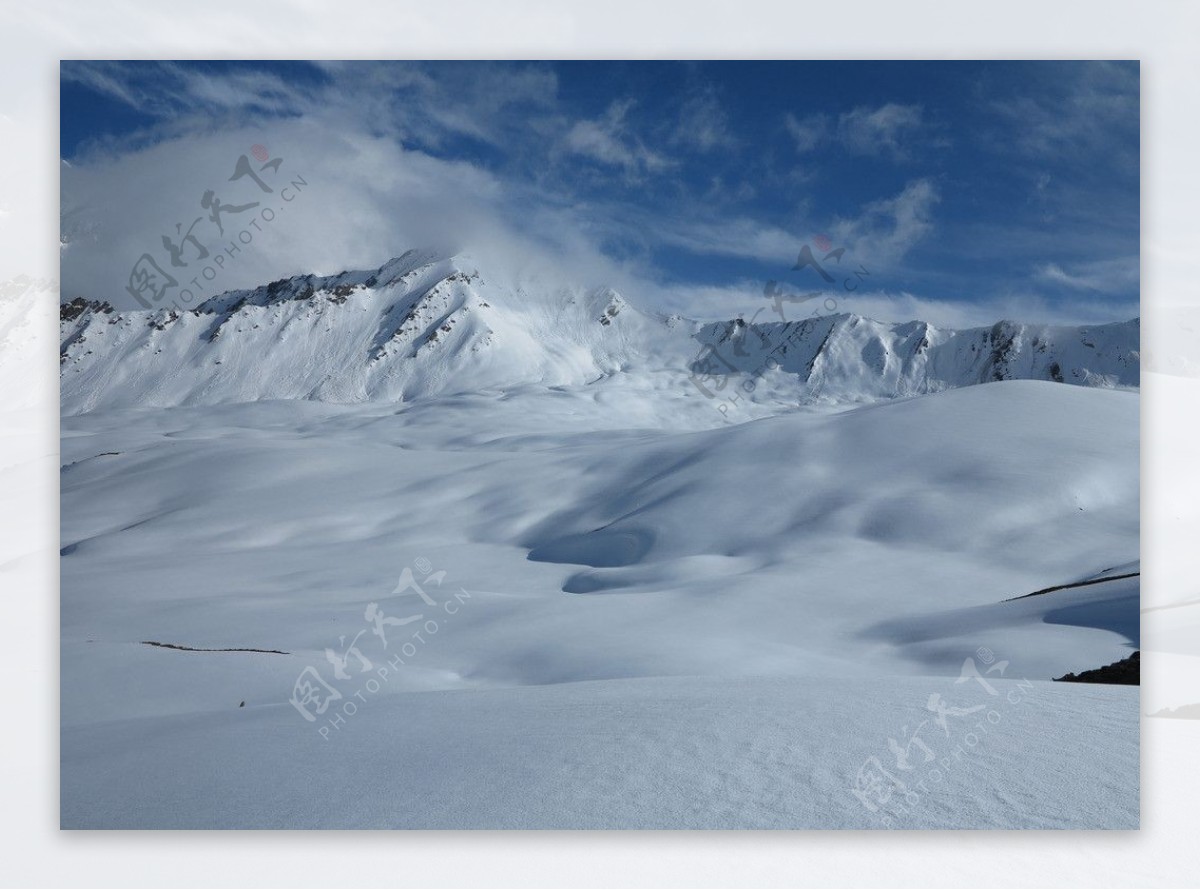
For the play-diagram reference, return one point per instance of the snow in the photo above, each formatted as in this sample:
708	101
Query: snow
638	753
649	616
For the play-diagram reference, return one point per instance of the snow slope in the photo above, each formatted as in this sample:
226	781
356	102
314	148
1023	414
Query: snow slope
799	585
762	547
424	325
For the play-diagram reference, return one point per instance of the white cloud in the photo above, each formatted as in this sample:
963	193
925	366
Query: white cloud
608	140
367	199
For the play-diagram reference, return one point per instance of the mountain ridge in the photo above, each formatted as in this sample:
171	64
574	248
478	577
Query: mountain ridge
426	324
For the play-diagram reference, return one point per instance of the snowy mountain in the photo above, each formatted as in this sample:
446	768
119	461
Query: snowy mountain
425	324
848	357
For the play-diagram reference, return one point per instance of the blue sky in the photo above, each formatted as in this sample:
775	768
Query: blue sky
969	190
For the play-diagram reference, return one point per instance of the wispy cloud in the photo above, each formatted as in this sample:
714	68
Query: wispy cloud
1111	276
609	140
879	131
703	124
423	105
809	132
742	237
888	229
883	131
1081	110
745	298
166	89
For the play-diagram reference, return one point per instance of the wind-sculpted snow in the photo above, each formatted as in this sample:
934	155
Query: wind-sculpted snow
423	325
638	626
849	542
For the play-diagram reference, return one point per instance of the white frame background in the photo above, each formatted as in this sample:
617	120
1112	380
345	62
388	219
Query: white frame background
1163	34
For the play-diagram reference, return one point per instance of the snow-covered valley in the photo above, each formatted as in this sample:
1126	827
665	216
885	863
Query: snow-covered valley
634	610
